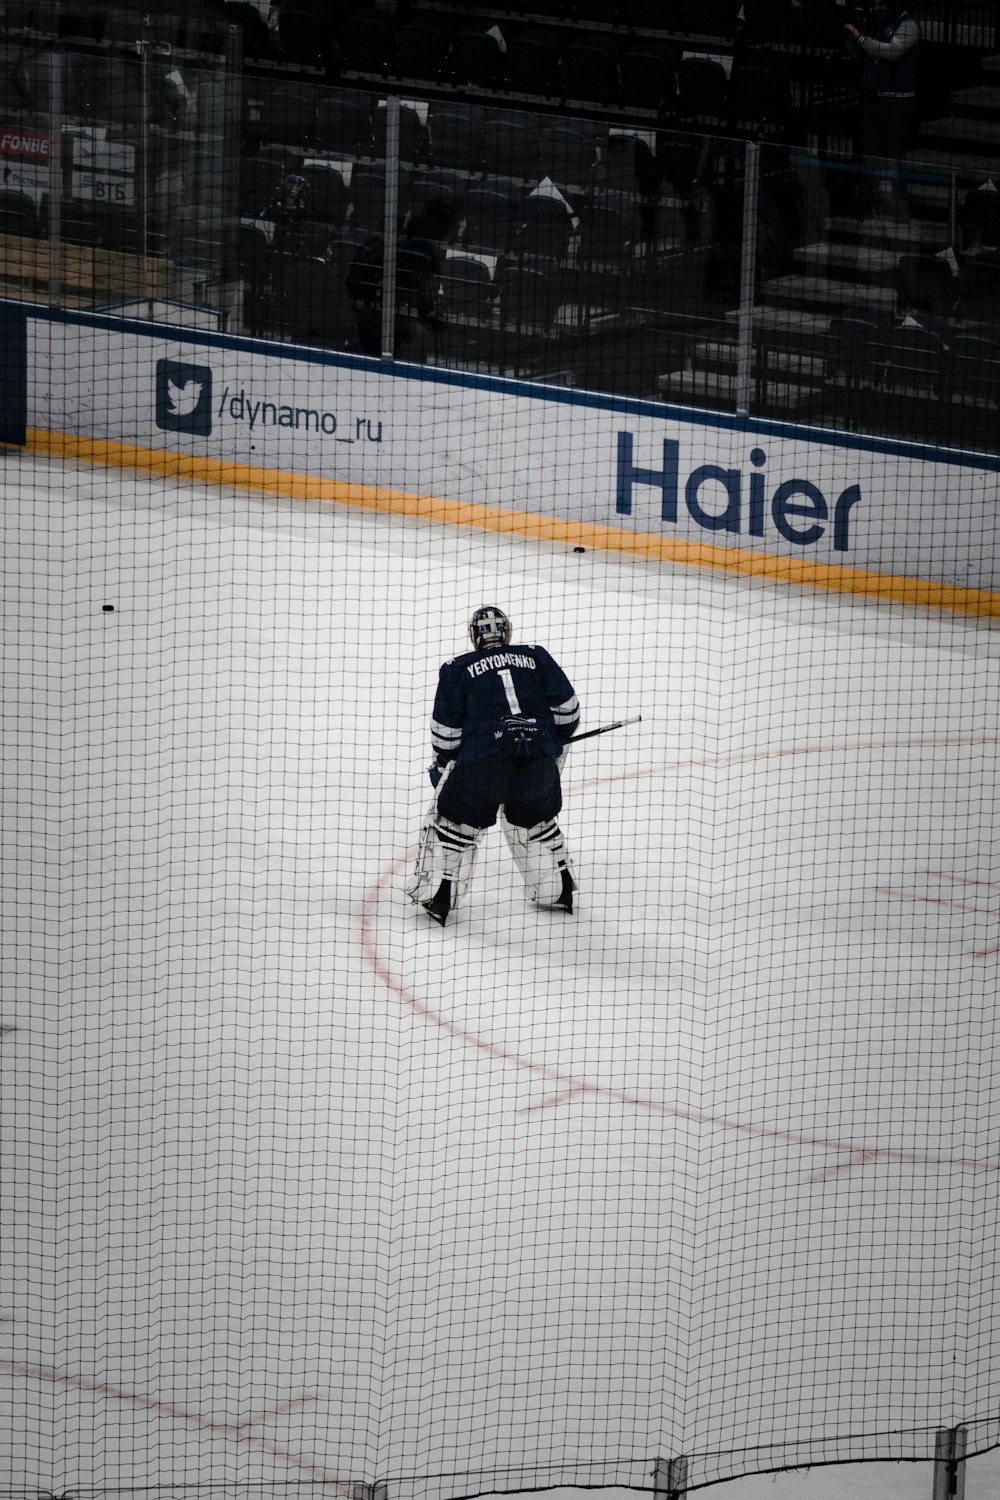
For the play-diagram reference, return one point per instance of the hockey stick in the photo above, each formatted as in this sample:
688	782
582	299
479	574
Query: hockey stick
588	734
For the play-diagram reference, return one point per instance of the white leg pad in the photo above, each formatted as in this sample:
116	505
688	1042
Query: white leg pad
540	855
447	851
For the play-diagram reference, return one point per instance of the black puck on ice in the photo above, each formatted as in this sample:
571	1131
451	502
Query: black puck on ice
579	549
108	609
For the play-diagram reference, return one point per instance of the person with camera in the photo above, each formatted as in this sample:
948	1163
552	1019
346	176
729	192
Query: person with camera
888	49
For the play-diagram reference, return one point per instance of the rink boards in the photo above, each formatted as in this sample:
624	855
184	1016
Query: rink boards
803	506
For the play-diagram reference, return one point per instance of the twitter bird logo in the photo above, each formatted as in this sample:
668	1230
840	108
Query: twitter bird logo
183	397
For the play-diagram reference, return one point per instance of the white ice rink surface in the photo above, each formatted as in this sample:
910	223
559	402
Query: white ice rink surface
301	1189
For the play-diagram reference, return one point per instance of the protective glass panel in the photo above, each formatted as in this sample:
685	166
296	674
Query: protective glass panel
877	303
117	168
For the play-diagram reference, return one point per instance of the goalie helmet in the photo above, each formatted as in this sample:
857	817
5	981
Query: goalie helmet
489	626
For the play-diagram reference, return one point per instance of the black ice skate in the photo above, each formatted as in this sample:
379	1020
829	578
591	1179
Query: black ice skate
440	903
564	900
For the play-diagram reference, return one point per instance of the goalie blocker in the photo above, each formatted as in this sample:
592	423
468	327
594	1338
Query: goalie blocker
502	715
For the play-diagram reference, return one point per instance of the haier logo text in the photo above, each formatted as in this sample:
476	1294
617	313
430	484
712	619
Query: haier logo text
727	500
183	397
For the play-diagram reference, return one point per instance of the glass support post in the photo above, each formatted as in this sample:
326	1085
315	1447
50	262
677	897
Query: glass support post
232	92
391	235
56	73
748	278
949	1463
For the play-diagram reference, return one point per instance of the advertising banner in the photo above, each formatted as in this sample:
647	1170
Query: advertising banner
24	161
628	467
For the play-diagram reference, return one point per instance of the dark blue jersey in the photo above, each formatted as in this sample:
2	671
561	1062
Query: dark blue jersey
481	691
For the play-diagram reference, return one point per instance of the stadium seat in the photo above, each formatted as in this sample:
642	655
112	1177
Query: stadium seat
701	87
256	38
914	360
855	351
512	147
531	60
467	289
287	114
759	94
343	124
606	237
341	248
488	220
981	217
543	227
979	289
18	214
367	42
422	47
568	152
529	293
974	366
683	160
502	182
413	138
368	189
305	33
648	73
588	69
477	55
440	196
456	136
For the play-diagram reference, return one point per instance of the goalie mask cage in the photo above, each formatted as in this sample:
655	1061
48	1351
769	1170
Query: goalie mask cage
302	1194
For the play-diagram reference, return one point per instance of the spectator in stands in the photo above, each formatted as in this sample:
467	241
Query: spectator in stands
416	321
364	287
289	212
434	225
888	50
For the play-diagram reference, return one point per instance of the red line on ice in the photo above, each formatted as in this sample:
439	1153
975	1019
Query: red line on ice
888	890
961	879
571	1085
235	1430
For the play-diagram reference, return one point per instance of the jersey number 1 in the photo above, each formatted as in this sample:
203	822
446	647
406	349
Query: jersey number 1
508	687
